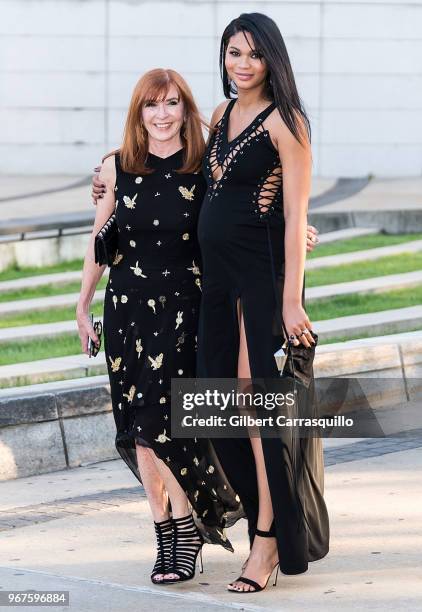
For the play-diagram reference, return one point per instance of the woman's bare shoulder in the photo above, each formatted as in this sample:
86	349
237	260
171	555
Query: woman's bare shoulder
219	112
280	132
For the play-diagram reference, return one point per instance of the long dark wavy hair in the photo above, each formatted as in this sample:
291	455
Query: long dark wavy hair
280	85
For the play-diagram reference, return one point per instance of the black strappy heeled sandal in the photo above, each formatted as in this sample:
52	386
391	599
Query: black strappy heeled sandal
257	587
187	543
164	535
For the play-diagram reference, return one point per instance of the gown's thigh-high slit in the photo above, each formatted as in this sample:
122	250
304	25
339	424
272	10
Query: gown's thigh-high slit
244	376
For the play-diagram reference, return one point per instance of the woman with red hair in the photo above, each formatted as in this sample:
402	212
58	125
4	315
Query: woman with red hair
151	313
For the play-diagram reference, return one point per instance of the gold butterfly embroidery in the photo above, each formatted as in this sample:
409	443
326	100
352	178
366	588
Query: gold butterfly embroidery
115	364
130	395
187	193
157	362
130	202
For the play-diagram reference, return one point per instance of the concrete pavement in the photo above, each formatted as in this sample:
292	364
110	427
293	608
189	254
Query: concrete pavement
102	550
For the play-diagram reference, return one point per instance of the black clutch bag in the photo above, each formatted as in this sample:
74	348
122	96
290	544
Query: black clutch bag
299	362
106	242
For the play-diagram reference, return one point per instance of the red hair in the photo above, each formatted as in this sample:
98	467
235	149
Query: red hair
151	87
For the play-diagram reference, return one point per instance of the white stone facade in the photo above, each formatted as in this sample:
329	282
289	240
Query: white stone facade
67	69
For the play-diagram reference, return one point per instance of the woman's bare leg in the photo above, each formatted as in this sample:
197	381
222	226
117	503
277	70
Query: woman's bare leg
154	488
153	484
263	555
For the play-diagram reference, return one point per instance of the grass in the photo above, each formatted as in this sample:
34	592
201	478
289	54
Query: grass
32	350
27	380
343	306
15	272
395	264
361	243
387	330
53	315
46	291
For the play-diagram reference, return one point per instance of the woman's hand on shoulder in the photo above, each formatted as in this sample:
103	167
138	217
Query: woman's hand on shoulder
99	186
106	204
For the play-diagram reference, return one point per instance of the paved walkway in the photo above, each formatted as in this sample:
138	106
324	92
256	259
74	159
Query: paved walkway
22	196
88	531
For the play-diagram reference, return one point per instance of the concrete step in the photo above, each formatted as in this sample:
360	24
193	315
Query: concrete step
73	366
395	320
378	284
58	278
346	234
45	303
366	255
44	330
54	386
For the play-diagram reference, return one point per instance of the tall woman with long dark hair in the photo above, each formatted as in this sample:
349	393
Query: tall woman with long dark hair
253	223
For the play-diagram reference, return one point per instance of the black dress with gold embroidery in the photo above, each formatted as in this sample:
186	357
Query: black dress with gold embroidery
151	311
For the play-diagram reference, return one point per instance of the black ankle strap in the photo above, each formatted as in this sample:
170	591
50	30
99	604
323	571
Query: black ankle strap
266	534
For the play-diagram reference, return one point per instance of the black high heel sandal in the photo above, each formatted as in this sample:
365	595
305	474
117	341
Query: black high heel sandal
257	587
164	535
187	544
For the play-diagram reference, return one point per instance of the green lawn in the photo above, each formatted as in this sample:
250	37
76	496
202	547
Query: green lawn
46	291
361	243
343	306
26	380
387	330
32	350
53	315
395	264
15	272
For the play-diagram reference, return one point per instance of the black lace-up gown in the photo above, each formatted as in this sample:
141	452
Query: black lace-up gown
244	194
151	314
